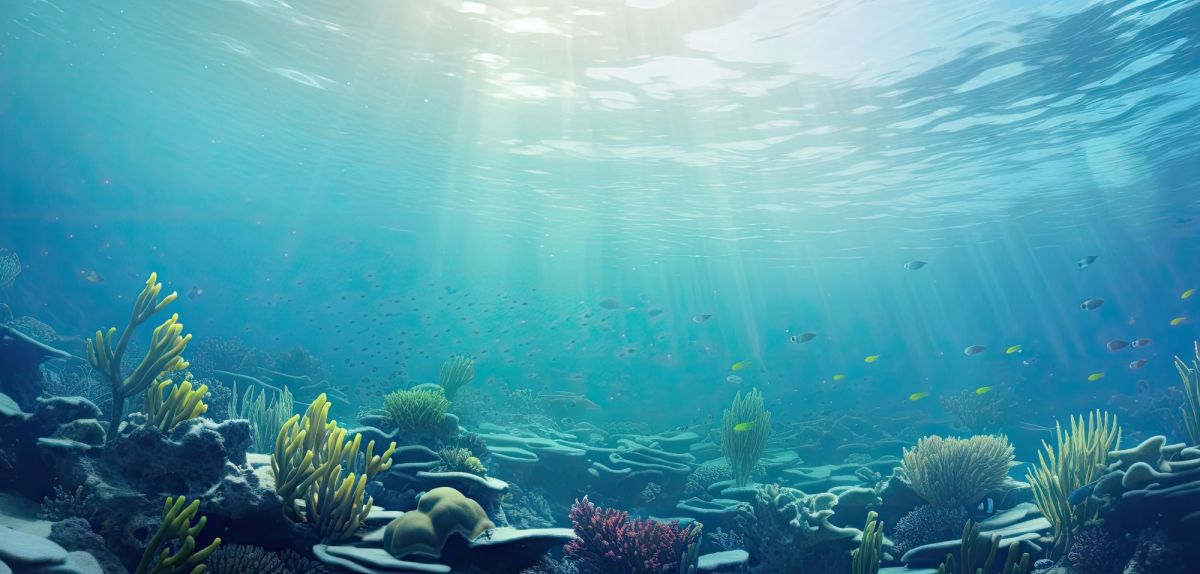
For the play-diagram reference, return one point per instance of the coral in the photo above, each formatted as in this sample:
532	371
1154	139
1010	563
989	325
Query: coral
308	462
415	410
1155	553
37	330
220	354
1076	461
440	513
609	541
957	472
551	566
299	362
161	556
926	524
745	427
975	412
266	416
299	564
220	398
706	475
651	492
1094	551
181	404
245	559
456	372
527	508
725	539
10	267
787	531
1190	378
473	443
22	357
75	379
165	355
67	504
460	460
865	559
977	555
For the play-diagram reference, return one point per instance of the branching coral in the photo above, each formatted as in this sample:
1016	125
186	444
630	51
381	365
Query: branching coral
172	549
266	416
786	530
1078	458
609	541
182	403
308	461
957	472
456	372
415	410
165	354
461	460
745	427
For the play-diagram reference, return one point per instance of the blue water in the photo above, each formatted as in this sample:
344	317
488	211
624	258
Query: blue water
388	183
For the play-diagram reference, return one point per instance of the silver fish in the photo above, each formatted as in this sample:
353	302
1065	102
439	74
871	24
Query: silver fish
1117	344
915	264
1142	342
1091	304
1137	364
1090	259
974	350
701	317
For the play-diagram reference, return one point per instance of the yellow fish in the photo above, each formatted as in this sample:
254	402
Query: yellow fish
743	427
1187	293
839	377
871	358
739	365
1176	321
918	396
1012	349
982	390
1096	376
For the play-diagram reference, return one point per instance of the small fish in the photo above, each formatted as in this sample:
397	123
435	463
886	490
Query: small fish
1096	376
743	427
1142	342
839	377
195	292
982	390
701	317
1137	364
974	350
1091	304
1012	349
1116	344
734	379
1183	220
1081	494
915	264
1187	294
92	277
918	396
609	304
871	358
739	365
804	337
1090	259
654	311
1178	321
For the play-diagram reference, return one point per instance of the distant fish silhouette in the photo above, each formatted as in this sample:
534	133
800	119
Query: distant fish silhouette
915	264
1091	304
701	317
1090	259
1117	344
974	350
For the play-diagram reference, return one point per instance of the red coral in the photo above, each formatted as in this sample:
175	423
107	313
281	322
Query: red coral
610	543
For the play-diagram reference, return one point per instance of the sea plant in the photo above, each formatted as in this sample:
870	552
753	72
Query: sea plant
1076	460
1190	378
456	372
865	559
164	355
957	472
415	410
309	462
745	426
172	549
266	416
977	555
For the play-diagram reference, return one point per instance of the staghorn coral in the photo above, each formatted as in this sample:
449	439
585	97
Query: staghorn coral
926	524
460	460
10	267
745	427
417	411
957	472
609	542
725	539
786	531
651	492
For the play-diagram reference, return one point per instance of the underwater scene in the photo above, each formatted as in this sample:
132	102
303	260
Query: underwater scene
599	286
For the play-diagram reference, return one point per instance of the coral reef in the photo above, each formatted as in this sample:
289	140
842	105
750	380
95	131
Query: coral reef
978	413
787	531
527	508
957	472
460	460
745	426
440	513
455	373
609	541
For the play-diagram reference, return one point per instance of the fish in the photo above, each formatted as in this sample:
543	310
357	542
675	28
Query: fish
1096	376
1029	361
92	277
1116	344
974	350
1183	219
1137	364
1178	321
871	358
1187	294
734	379
1090	259
1012	349
654	311
839	377
1091	304
195	292
982	390
804	337
1081	494
739	365
918	396
743	427
915	264
1142	342
701	317
609	304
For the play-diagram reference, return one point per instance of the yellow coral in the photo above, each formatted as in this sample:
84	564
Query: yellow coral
440	513
182	403
164	557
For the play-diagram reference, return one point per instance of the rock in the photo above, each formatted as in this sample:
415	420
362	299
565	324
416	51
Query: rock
52	412
76	534
85	431
10	411
19	548
727	561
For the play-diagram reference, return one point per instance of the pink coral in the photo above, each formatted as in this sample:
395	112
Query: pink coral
611	543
